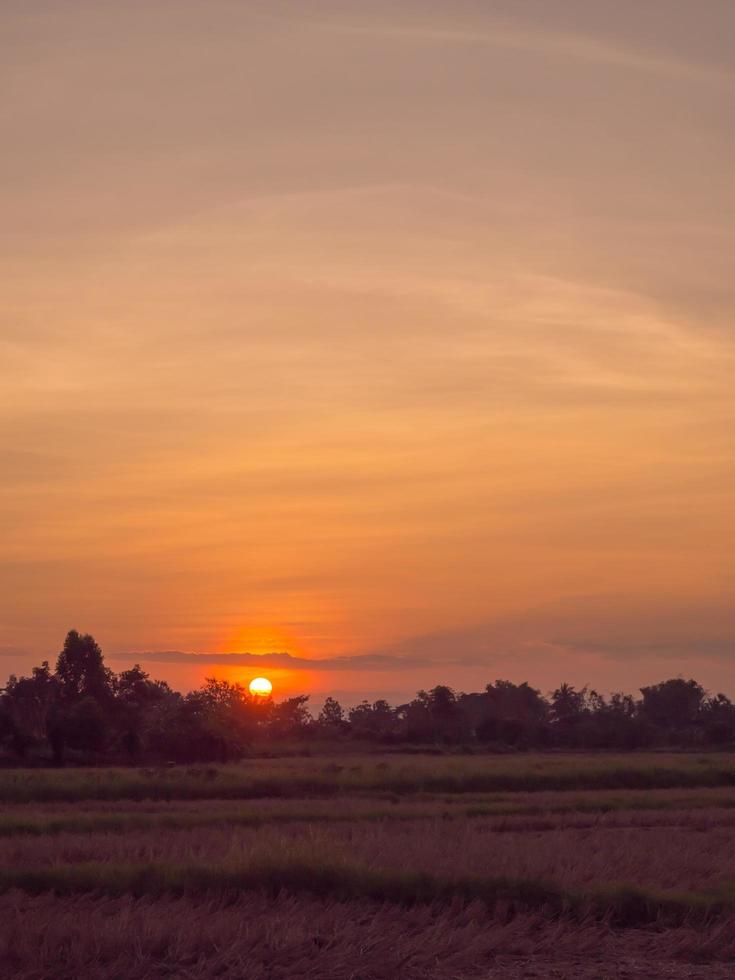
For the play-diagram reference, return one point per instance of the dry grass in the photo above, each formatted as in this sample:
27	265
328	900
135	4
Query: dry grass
683	857
696	809
442	879
317	777
286	937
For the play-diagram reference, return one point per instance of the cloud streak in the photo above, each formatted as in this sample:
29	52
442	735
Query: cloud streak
579	47
338	333
280	661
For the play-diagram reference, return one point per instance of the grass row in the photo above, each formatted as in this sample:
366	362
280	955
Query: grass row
13	825
242	782
621	905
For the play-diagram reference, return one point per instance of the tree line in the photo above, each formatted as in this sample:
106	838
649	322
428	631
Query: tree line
84	712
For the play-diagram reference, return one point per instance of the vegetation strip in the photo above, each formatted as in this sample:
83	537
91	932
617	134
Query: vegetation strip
622	905
11	826
83	710
43	787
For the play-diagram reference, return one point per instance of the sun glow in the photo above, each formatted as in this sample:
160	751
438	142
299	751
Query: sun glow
261	687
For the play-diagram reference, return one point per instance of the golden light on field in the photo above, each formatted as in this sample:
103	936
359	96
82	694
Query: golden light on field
261	687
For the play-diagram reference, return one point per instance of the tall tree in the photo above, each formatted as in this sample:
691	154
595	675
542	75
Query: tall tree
332	717
81	671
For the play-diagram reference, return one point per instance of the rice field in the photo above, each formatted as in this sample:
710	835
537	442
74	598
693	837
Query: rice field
373	867
313	776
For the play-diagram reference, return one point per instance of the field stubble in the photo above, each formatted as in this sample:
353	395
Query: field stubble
575	872
315	777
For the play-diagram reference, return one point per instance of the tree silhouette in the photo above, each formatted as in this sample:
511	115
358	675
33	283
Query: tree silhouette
85	712
377	720
29	705
332	717
675	703
80	669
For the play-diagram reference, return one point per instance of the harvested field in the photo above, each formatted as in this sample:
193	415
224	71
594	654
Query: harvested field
256	937
658	856
357	881
393	774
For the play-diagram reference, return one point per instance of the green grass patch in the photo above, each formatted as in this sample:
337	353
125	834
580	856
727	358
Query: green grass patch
401	776
542	815
622	905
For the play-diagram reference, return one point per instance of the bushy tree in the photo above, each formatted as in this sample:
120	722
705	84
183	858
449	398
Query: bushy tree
135	688
138	703
331	720
290	718
508	713
673	704
568	709
86	726
718	718
377	720
29	706
415	719
219	720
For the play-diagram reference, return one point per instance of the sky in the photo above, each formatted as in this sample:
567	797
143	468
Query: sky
394	337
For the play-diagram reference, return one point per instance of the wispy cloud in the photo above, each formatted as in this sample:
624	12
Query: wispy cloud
632	647
580	47
283	661
11	651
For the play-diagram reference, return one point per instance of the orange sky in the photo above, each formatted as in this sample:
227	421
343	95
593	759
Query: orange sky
399	329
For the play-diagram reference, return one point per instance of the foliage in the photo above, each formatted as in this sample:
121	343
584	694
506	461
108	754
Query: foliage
80	669
85	709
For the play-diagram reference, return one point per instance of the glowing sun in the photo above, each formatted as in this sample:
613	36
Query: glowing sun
261	687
